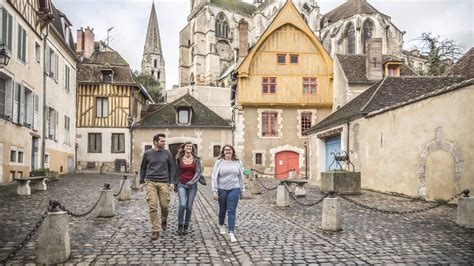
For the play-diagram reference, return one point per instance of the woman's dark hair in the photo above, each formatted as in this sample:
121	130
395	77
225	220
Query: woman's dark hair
234	157
180	153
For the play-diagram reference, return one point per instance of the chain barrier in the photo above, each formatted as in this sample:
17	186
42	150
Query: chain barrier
265	187
82	214
466	192
123	182
18	247
263	173
292	195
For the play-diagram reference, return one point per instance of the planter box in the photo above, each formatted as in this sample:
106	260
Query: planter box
342	182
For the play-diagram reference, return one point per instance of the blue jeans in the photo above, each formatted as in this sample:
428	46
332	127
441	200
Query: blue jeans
228	200
186	198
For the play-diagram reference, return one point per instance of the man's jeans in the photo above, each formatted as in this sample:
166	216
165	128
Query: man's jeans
186	198
228	200
157	191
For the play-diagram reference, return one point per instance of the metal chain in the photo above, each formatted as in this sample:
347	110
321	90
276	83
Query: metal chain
305	204
83	214
263	173
267	188
27	238
118	193
401	212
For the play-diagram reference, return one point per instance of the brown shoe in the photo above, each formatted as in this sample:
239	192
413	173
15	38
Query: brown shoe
154	235
164	225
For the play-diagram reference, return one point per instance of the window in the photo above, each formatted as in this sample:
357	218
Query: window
258	158
155	63
35	111
3	97
67	129
216	151
392	71
148	147
16	102
52	122
67	78
118	143
305	123
46	159
269	85
310	85
37	52
6	29
222	26
95	143
107	75
350	38
158	75
52	64
20	156
183	116
294	59
13	156
269	124
102	106
368	29
27	103
281	59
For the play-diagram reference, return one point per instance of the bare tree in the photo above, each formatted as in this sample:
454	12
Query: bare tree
440	53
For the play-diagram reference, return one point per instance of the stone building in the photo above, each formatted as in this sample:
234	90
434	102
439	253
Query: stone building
406	134
109	101
153	61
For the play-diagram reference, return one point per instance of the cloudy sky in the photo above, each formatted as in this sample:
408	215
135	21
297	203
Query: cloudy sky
451	19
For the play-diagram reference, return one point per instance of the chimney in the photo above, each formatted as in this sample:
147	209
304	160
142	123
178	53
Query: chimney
80	41
88	42
243	38
373	59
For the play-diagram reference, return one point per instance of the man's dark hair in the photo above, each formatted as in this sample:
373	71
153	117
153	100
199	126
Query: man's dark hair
158	136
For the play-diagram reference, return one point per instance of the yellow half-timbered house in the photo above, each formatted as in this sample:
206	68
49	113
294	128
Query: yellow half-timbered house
284	86
109	101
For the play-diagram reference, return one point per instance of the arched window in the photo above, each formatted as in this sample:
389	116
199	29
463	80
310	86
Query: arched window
368	29
155	63
222	26
350	38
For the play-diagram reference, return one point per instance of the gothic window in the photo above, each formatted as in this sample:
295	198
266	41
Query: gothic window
155	63
368	29
222	26
350	38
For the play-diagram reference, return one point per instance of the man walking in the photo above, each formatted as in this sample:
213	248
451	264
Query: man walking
156	175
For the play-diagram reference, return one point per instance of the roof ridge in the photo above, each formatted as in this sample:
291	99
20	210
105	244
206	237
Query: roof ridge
373	94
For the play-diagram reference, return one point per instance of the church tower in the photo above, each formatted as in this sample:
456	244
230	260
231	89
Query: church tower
153	61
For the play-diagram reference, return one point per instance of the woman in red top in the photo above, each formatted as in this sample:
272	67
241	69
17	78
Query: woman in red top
187	174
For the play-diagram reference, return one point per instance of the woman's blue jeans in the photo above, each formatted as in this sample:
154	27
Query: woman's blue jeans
186	198
228	200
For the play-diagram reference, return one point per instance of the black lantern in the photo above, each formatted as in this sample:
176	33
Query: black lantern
4	56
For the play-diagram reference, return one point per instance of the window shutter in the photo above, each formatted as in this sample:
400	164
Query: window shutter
91	142
56	67
56	122
122	142
2	97
9	30
16	102
105	107
22	105
99	142
47	61
23	44
36	111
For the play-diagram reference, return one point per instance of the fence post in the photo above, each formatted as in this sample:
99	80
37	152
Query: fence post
283	196
465	215
331	217
107	202
256	190
54	244
126	193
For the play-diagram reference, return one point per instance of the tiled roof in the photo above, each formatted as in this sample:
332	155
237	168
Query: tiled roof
201	117
58	27
351	8
387	94
235	5
354	67
464	67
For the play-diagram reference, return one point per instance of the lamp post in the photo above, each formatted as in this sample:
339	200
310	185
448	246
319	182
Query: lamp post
4	56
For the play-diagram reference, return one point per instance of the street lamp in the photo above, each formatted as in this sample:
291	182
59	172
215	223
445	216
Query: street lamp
4	56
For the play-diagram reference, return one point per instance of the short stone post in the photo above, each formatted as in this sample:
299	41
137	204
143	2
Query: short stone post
331	217
300	191
24	189
465	216
283	197
54	244
136	181
256	190
107	203
126	193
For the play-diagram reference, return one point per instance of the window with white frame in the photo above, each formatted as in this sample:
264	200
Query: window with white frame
27	105
52	64
183	116
13	155
35	111
20	156
67	78
16	103
102	106
67	129
7	28
21	49
52	122
94	143
118	143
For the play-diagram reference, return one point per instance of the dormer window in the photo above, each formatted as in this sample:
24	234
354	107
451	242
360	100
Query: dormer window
392	69
107	75
183	115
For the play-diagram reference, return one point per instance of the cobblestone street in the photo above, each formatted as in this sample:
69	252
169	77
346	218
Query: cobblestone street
265	233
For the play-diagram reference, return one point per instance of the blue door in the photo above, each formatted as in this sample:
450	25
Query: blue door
333	144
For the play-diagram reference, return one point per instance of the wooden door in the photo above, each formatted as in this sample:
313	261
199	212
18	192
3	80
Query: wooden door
284	161
333	145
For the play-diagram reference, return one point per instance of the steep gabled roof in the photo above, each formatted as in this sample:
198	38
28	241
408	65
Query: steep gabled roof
464	67
354	67
165	116
351	8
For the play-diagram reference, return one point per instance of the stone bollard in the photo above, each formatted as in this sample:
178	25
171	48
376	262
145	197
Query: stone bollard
136	181
283	197
54	244
39	185
126	193
465	216
300	191
331	217
24	189
256	190
107	203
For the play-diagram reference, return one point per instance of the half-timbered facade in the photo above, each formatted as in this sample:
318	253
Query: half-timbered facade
109	101
284	86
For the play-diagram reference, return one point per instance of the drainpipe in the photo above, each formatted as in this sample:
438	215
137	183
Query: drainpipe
43	137
348	138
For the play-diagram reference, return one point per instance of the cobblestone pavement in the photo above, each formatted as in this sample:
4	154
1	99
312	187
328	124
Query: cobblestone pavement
266	234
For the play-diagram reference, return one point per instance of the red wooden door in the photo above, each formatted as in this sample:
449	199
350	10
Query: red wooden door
284	161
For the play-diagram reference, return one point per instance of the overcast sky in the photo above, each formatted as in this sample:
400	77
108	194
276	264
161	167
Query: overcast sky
451	19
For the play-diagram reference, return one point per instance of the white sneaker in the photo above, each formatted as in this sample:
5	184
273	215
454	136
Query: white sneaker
232	237
222	230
